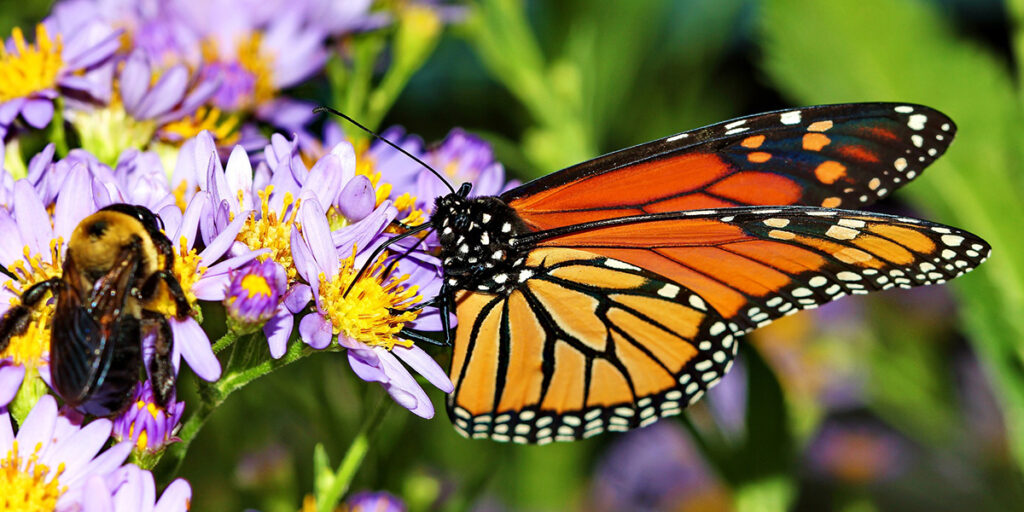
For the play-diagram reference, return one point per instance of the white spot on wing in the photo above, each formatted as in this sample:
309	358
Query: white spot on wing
790	117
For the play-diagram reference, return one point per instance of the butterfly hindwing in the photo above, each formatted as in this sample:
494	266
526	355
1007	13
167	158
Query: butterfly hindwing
585	344
835	156
755	264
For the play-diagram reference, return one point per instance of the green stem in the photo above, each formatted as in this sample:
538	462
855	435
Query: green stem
237	375
329	498
58	135
229	338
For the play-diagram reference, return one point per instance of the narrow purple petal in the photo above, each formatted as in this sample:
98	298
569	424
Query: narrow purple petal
357	199
135	79
32	219
302	257
72	206
6	430
238	177
109	460
361	234
167	93
222	242
77	450
315	331
190	220
324	181
88	57
212	287
131	493
402	383
317	233
420	361
277	330
366	365
11	248
194	346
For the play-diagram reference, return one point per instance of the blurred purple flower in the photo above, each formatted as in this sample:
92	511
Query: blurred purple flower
857	452
55	463
33	74
149	427
255	293
655	468
374	501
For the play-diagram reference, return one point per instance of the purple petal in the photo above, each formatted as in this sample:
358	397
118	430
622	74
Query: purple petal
362	233
167	93
95	496
190	220
315	331
135	79
6	430
11	248
38	112
11	376
277	330
239	179
357	199
402	385
366	365
72	206
38	426
302	257
194	346
420	361
212	288
176	497
317	233
297	297
109	460
222	242
76	451
324	181
32	219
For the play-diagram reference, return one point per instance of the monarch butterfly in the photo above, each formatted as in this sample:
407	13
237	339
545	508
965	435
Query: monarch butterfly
613	293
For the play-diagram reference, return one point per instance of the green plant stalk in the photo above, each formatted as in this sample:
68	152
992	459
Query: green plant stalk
239	372
58	135
329	498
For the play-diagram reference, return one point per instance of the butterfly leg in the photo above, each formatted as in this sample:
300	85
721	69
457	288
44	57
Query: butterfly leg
16	319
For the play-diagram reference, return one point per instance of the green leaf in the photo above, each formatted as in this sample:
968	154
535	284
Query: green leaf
886	50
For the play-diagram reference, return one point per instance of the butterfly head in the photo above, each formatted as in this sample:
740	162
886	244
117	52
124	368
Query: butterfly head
476	241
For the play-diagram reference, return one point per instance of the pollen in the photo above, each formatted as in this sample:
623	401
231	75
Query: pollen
274	232
256	285
407	203
188	271
29	68
223	127
26	484
374	310
29	348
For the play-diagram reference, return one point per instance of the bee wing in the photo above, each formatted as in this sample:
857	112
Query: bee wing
89	332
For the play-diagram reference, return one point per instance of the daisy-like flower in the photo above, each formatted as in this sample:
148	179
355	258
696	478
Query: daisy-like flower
33	74
51	461
149	427
361	313
131	489
140	104
374	501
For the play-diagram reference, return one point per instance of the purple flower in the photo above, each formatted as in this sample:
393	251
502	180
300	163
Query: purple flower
363	318
32	74
11	376
655	468
374	501
255	292
857	453
149	427
145	103
52	462
461	158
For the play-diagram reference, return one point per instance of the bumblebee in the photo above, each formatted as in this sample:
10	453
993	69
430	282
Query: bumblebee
116	279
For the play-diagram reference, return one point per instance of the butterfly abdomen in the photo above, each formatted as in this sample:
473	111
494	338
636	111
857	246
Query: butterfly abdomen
476	243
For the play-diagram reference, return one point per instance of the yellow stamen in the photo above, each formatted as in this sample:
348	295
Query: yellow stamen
29	348
250	55
256	285
31	68
224	128
367	313
271	232
25	484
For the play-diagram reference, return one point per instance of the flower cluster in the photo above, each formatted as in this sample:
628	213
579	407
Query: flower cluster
182	108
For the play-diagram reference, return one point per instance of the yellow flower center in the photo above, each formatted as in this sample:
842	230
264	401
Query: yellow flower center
367	313
25	484
143	441
407	203
188	271
29	348
256	285
106	132
224	128
31	68
272	232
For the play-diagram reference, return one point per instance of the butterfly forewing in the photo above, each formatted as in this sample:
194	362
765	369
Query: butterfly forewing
836	156
756	264
584	345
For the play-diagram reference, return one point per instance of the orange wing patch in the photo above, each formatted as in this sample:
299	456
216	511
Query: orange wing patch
586	345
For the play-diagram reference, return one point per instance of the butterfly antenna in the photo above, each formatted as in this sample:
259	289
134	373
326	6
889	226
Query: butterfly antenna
320	110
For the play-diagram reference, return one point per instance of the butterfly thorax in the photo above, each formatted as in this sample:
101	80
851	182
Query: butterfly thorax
476	243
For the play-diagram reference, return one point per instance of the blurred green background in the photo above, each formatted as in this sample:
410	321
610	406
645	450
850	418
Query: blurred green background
898	401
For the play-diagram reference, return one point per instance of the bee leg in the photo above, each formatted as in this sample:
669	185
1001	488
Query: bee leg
161	369
150	286
16	319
